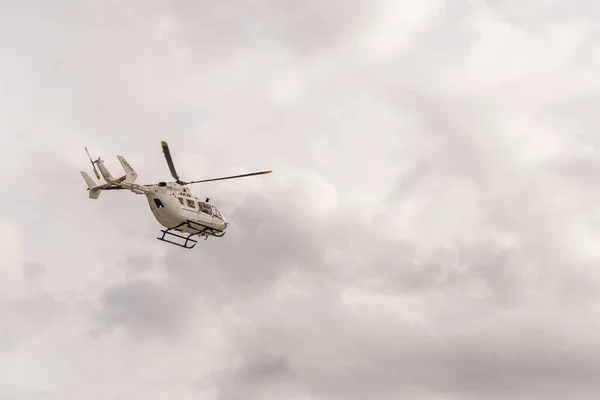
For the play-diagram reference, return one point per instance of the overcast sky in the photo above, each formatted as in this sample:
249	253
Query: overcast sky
430	230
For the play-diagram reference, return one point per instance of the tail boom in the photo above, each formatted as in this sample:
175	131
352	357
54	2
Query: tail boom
135	188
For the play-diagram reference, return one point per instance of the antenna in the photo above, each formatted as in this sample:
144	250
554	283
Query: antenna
93	163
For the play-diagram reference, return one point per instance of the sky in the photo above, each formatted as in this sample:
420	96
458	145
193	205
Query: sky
429	231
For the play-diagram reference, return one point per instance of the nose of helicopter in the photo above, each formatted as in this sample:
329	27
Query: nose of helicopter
223	221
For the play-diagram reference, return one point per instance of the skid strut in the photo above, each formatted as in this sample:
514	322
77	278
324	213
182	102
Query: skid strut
188	239
189	243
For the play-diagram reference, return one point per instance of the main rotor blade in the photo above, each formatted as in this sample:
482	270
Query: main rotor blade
112	188
167	153
229	177
121	188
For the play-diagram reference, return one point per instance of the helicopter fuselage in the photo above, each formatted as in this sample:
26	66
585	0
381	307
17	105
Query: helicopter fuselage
174	207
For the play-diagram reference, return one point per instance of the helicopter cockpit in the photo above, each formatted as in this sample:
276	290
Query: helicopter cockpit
210	210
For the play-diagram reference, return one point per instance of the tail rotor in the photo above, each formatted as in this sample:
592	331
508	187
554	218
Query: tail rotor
93	164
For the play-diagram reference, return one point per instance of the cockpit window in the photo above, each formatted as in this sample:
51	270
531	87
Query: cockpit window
191	203
205	208
158	203
180	200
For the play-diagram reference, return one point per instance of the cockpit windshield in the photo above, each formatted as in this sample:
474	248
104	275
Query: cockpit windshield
216	213
209	209
205	208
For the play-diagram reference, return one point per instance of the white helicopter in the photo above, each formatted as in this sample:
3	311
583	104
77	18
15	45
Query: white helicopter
172	204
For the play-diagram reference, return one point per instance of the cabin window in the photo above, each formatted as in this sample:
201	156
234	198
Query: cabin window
205	208
180	200
191	203
158	203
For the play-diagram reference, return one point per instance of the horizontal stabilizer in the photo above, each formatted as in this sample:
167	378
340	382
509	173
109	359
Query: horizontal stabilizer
94	189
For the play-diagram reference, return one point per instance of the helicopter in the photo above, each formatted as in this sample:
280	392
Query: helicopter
172	203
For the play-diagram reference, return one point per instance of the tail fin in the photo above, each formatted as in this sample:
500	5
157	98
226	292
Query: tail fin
130	174
94	189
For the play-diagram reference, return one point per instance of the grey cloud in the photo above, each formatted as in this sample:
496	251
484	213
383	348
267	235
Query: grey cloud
32	269
262	370
144	307
263	375
25	317
138	263
512	358
474	278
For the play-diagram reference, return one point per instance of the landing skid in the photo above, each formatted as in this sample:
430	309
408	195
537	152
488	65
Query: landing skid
202	230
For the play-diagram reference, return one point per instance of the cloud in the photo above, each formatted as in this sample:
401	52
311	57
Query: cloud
143	306
429	231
